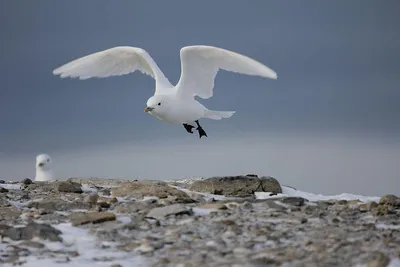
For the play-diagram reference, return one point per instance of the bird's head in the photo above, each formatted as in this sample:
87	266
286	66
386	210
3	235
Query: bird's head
158	105
43	162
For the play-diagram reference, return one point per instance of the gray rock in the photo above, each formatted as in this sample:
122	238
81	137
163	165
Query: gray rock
390	200
270	203
294	201
91	199
97	182
43	231
163	212
2	182
236	185
140	189
58	204
3	190
68	187
91	217
26	181
9	214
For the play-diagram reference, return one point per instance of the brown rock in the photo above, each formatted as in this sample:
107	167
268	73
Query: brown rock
382	210
9	213
367	206
140	189
91	217
236	185
108	200
390	200
379	260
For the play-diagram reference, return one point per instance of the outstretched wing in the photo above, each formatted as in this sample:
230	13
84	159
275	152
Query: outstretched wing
200	64
115	61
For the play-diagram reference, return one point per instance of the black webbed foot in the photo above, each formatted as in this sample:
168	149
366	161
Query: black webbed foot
200	130
188	128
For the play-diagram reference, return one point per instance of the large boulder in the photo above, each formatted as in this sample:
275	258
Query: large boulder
236	185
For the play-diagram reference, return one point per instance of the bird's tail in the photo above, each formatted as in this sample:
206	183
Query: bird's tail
217	115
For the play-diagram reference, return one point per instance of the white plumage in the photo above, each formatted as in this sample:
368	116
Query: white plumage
174	104
44	171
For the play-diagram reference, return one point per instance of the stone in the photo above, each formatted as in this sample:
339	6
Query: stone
39	186
294	201
68	187
236	185
367	206
26	181
271	204
3	190
2	182
390	200
140	189
91	217
91	199
216	206
163	212
32	244
382	210
31	230
97	182
57	204
9	214
108	200
379	260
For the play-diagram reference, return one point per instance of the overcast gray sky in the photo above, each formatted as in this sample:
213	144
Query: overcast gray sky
337	65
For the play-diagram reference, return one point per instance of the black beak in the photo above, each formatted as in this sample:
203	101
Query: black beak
148	109
41	164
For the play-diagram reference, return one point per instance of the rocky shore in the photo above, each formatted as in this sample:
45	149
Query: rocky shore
219	221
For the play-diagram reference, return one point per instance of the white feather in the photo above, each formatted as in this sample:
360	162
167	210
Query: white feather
200	64
115	61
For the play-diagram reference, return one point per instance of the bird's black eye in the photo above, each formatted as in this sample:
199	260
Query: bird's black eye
159	104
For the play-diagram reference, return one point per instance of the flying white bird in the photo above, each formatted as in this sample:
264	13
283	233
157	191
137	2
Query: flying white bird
44	171
172	104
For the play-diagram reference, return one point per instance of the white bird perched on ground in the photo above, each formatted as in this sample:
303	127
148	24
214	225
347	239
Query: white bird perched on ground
44	172
172	104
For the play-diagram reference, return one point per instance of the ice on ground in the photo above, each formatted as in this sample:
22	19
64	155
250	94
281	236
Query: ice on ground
207	196
291	192
89	248
88	189
11	186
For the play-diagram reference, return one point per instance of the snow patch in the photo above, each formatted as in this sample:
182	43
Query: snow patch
291	192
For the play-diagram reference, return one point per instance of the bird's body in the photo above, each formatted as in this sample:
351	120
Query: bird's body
172	104
44	171
181	111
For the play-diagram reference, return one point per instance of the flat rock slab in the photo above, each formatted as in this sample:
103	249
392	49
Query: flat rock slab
140	189
53	186
43	231
236	185
97	182
163	212
213	206
91	217
57	204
